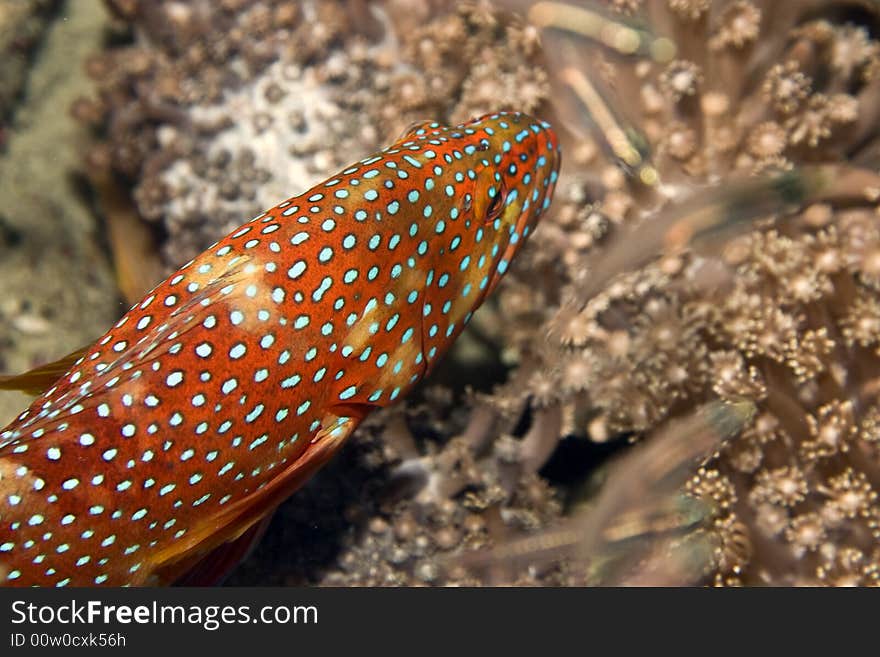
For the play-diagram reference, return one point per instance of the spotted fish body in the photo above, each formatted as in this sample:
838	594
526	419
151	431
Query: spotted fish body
220	393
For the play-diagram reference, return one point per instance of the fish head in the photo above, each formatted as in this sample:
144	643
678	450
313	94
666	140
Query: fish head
499	174
515	176
436	219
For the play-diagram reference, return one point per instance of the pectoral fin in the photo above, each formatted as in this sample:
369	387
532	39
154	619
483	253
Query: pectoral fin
222	560
239	523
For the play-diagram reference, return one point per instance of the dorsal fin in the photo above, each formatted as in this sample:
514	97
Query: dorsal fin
41	378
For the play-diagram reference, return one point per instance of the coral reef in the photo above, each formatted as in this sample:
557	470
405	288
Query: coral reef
781	316
394	507
214	111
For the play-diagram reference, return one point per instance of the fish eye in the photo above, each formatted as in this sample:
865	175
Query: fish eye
489	194
493	209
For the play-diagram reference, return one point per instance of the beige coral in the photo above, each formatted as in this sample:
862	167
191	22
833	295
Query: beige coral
786	315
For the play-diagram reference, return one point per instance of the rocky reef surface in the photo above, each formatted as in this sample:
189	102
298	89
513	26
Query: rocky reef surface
59	291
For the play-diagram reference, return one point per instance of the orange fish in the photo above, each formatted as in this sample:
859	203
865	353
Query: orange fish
165	447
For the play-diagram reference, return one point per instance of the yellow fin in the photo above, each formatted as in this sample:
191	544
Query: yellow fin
40	379
132	244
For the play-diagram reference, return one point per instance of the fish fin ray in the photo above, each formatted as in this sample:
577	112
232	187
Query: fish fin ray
236	520
139	355
212	569
42	377
185	317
